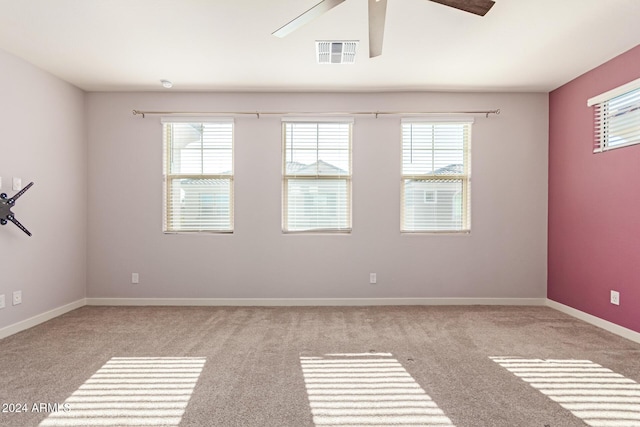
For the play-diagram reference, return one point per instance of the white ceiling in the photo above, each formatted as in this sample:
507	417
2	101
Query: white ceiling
226	45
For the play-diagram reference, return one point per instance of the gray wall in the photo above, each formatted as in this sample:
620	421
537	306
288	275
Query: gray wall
43	139
504	256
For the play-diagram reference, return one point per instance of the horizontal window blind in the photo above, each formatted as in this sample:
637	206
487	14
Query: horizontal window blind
436	171
316	176
198	176
617	121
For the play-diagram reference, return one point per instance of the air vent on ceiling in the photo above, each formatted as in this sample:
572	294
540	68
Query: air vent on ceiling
336	52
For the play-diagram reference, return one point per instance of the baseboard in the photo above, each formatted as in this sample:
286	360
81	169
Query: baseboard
289	302
40	318
596	321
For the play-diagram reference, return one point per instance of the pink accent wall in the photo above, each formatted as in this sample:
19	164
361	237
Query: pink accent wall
594	203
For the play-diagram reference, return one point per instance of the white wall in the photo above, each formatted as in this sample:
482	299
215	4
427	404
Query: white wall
42	139
504	256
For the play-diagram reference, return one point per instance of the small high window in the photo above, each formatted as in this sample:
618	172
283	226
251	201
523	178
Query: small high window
617	117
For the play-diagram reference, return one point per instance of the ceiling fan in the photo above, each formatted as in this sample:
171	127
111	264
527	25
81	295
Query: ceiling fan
377	14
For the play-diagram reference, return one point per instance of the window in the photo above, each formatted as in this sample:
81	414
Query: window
617	117
198	176
316	174
436	175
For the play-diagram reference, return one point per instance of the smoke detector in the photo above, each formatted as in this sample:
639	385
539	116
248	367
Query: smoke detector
336	52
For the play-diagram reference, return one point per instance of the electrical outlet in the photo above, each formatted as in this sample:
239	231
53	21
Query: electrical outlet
2	301
17	297
615	297
135	278
373	278
17	184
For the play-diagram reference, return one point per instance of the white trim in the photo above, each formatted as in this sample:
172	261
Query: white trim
40	318
596	321
601	149
330	118
288	302
620	90
441	119
195	119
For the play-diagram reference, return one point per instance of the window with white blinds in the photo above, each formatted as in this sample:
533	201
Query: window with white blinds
316	176
436	175
617	117
198	176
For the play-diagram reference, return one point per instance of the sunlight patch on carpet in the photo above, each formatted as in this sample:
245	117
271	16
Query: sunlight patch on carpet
372	389
597	395
132	391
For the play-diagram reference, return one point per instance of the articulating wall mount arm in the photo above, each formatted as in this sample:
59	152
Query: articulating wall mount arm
5	209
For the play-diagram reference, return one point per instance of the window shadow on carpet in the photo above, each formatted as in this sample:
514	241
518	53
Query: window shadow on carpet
597	395
355	389
132	391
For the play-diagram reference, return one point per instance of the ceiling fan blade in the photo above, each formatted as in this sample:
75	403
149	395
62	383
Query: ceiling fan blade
314	12
478	7
377	15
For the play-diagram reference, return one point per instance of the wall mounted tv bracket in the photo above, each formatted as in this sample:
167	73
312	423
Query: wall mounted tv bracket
5	209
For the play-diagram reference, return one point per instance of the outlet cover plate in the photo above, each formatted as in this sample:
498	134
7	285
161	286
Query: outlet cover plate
17	297
2	303
615	297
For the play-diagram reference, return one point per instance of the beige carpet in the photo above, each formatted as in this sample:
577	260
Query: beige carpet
471	366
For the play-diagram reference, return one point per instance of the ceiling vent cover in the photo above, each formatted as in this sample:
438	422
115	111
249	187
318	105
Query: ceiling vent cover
336	52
